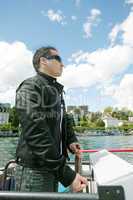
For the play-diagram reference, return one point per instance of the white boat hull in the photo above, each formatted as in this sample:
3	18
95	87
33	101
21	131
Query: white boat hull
109	169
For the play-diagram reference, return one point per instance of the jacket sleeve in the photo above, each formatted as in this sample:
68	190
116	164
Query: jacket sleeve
35	130
68	123
66	175
71	137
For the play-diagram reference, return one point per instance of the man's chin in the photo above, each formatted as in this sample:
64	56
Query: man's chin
58	74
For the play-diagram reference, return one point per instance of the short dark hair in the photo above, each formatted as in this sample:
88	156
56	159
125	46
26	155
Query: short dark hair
41	52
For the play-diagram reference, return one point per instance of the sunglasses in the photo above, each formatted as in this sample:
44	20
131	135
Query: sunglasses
56	57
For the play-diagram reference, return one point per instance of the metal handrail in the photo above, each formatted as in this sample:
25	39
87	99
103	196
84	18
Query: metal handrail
110	150
46	196
84	162
5	173
78	169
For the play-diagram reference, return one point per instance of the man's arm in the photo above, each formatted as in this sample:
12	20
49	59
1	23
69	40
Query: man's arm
72	141
68	177
71	137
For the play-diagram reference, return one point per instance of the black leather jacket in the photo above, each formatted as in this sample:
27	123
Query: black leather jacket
46	128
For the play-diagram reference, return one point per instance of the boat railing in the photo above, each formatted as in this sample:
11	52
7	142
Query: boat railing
114	150
7	177
92	191
105	193
46	196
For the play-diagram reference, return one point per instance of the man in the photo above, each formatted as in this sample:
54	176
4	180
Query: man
46	133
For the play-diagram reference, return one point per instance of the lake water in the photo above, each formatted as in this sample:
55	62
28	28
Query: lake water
8	146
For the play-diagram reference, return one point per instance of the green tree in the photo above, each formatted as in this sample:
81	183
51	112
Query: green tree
13	117
5	127
120	114
77	111
108	110
100	123
83	123
95	116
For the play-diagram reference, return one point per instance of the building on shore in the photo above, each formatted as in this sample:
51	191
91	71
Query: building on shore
111	122
4	114
130	119
4	107
81	109
4	117
77	112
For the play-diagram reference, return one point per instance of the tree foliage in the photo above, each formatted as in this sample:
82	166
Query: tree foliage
13	117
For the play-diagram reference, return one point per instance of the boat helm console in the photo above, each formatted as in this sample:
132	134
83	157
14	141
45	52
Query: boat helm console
111	192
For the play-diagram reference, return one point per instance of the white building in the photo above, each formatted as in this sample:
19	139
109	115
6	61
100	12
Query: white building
111	122
77	112
83	109
130	119
4	117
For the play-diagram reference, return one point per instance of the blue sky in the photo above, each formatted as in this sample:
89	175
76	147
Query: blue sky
94	38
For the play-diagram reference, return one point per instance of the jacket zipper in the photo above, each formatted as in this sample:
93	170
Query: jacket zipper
61	118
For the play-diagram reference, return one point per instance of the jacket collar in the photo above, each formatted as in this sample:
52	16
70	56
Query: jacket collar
46	76
51	80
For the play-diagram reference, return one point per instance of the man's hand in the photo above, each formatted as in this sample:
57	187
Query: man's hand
79	183
75	148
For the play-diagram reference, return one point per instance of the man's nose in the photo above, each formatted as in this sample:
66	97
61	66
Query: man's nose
62	65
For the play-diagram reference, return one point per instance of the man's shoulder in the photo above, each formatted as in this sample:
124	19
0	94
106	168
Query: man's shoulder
29	82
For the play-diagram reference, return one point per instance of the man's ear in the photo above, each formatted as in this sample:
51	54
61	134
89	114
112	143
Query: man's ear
43	61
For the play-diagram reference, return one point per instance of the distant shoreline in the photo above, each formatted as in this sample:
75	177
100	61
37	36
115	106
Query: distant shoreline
8	134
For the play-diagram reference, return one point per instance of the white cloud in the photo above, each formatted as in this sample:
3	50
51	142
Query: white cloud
101	67
55	16
122	93
91	21
95	12
98	67
15	66
108	90
77	76
113	34
73	17
8	96
125	29
129	1
111	61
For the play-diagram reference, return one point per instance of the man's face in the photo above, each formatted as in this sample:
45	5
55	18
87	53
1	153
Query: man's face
53	65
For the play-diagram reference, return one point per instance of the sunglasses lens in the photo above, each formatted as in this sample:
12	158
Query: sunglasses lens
58	58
